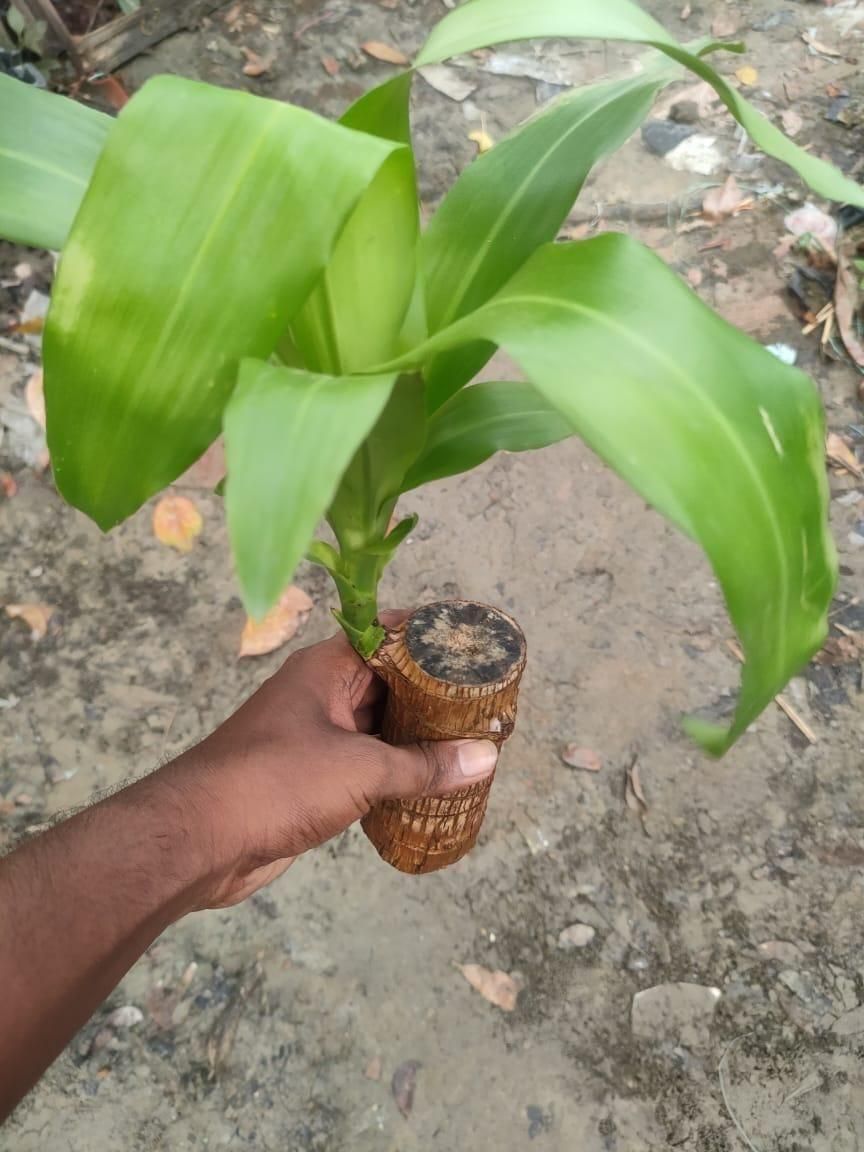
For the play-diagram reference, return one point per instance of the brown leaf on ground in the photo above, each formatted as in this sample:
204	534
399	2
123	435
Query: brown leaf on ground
845	649
36	615
330	65
278	626
8	485
372	1071
847	301
234	13
497	987
34	395
378	50
684	14
817	47
584	758
839	453
257	65
176	522
31	327
403	1084
634	797
724	24
207	470
724	201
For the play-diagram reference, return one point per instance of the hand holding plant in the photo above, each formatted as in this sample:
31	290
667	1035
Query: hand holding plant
234	264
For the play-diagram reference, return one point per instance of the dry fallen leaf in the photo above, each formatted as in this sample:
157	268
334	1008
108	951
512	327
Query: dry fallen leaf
585	758
31	327
792	122
8	485
330	64
496	987
818	48
176	522
685	12
278	626
372	1071
747	75
36	615
847	300
726	200
34	394
808	220
845	649
234	13
634	797
403	1084
839	453
482	139
694	277
454	83
378	50
257	65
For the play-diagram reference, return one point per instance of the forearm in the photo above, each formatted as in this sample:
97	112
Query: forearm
81	903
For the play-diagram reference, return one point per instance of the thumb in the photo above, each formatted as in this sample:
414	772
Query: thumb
435	767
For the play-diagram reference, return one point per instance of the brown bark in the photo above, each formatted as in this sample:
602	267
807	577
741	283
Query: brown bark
452	670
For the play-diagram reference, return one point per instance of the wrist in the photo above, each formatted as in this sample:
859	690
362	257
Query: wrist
180	812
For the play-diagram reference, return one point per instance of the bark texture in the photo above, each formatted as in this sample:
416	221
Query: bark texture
452	670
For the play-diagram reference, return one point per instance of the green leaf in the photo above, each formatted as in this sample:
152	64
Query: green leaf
49	146
372	482
202	232
515	197
481	23
710	428
289	436
482	420
353	318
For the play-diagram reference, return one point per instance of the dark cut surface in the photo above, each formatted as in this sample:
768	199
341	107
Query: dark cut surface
464	643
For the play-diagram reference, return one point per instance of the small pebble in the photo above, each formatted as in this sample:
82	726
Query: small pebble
576	936
126	1017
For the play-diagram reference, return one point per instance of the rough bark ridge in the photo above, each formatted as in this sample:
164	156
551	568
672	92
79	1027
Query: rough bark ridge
452	670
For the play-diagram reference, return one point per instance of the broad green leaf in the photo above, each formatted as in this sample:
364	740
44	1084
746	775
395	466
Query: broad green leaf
48	150
354	316
481	420
515	197
481	23
202	232
289	436
371	485
709	427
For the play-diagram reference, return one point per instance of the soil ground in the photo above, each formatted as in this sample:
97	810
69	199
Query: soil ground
746	876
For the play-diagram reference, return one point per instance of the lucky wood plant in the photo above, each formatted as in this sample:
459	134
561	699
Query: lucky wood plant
235	265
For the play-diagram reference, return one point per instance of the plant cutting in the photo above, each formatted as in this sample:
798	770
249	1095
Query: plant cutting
231	264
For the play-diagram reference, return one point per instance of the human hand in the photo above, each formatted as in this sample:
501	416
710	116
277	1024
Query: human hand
298	763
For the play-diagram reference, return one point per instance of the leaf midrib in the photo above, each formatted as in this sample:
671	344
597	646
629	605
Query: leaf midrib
483	247
735	442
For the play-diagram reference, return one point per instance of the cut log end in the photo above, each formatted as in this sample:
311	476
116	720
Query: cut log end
464	643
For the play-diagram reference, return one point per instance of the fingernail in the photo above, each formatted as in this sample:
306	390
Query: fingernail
476	758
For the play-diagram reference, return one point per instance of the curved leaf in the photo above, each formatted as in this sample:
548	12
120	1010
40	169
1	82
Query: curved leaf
49	146
709	427
289	436
480	23
482	420
354	316
201	233
515	197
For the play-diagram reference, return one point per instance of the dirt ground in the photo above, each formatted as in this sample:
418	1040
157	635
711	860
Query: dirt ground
279	1024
